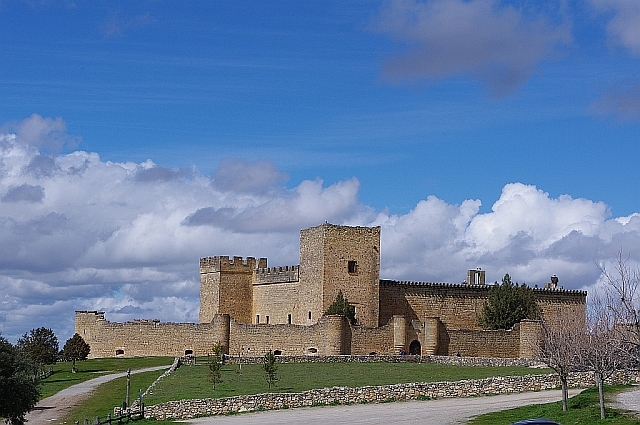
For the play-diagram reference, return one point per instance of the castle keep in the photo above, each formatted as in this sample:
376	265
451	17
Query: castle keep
251	308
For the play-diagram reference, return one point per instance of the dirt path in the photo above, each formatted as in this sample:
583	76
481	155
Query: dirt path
629	400
446	411
51	409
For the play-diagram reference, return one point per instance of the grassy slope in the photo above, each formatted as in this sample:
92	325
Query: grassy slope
189	382
583	409
88	369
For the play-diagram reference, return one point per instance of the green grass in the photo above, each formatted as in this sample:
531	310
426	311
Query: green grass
88	369
583	409
190	382
109	395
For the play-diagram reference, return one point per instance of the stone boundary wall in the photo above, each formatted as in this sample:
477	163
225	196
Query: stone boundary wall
186	409
448	360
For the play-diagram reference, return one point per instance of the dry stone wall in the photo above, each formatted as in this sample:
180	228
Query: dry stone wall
187	409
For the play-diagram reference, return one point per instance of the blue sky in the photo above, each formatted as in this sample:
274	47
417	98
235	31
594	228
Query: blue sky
140	136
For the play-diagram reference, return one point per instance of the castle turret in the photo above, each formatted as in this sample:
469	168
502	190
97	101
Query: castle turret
226	287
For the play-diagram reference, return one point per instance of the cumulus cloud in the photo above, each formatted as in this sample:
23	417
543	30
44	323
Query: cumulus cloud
24	193
238	175
89	234
483	39
48	134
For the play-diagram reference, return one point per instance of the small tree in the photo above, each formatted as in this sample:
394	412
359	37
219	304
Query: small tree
622	289
342	307
270	368
216	361
508	303
560	348
41	346
597	349
19	392
75	349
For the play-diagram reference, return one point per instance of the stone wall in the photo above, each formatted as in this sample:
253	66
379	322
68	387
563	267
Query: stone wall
186	409
458	306
144	337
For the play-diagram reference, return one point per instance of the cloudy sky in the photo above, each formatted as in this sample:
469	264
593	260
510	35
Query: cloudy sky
137	137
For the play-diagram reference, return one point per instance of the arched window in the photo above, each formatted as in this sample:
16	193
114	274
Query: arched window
119	352
188	352
312	350
277	352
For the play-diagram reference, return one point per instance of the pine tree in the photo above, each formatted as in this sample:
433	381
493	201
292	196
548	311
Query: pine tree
342	307
508	304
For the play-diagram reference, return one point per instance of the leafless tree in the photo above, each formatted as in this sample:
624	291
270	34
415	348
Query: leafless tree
598	345
622	289
560	348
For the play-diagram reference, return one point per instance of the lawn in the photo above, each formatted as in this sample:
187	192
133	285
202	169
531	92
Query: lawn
190	382
88	369
583	409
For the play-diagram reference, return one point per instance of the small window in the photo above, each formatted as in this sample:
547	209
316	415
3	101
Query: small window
288	318
352	266
188	352
266	318
277	353
257	318
119	352
312	350
309	315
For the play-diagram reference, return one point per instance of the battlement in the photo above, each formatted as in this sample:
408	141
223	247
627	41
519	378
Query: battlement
90	316
235	265
271	275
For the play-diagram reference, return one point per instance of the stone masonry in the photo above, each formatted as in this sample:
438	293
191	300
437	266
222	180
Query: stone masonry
251	308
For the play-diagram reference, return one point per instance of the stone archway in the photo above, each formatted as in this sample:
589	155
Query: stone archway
414	348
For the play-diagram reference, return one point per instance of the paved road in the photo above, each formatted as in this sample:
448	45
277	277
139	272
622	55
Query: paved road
447	411
50	409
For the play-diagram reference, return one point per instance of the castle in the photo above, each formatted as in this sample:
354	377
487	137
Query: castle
251	309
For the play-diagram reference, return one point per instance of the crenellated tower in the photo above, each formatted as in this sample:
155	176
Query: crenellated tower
226	287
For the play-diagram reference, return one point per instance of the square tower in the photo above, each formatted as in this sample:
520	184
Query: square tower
340	258
226	287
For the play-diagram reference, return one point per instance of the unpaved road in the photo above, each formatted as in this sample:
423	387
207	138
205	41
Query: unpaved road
446	411
51	409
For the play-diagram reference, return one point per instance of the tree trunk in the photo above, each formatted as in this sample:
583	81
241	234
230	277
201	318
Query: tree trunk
600	394
565	392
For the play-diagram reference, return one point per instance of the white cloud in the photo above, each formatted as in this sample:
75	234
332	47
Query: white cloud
85	234
496	44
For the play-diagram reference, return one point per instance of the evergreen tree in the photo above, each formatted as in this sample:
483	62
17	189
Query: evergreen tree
270	368
508	304
19	392
41	346
342	307
216	361
75	349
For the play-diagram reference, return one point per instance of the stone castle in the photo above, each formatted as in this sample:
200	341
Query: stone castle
251	309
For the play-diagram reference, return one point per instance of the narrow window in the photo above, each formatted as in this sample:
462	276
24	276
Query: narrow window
288	318
257	318
267	319
352	266
309	315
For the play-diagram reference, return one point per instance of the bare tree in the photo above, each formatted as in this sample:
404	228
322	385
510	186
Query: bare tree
598	346
560	348
622	288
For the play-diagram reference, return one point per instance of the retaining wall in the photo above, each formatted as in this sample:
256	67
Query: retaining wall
186	409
